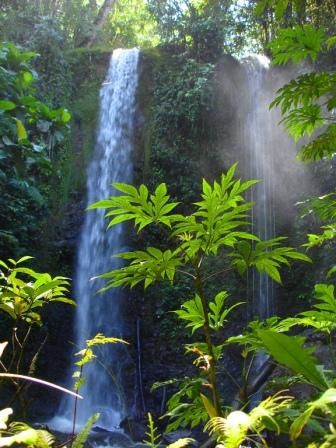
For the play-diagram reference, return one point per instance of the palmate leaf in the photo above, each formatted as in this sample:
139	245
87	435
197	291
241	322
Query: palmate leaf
145	266
192	312
323	316
267	256
138	205
218	312
322	146
288	351
297	43
303	121
219	220
250	339
304	90
323	206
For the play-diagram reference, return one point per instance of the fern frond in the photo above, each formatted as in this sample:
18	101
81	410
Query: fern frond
181	443
83	435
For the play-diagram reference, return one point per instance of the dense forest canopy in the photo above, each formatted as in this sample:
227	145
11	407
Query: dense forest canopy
53	58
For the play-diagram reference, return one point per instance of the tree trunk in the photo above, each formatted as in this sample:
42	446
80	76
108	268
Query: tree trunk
99	22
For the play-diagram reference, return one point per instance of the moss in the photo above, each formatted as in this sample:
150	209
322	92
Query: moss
89	68
148	63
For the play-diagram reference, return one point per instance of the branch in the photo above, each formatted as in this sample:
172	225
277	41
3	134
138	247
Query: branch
37	380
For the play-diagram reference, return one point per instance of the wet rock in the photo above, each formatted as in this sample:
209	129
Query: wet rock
109	440
173	436
136	429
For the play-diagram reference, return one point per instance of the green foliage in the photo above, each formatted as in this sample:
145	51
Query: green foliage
193	313
23	117
23	291
266	256
321	403
235	427
145	266
182	94
307	102
87	355
295	44
198	27
131	24
140	207
153	436
84	433
280	6
217	228
30	133
185	407
22	434
322	316
288	351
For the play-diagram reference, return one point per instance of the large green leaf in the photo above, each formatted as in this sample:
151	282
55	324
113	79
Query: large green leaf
7	105
288	351
21	130
328	397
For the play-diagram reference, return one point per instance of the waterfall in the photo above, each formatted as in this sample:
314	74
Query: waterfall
249	132
102	313
258	133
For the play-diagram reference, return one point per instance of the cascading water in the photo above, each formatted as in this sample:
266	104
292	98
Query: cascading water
101	313
258	133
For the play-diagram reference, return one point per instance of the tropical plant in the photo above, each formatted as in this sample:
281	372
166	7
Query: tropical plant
17	433
154	437
217	228
87	355
306	104
24	293
30	132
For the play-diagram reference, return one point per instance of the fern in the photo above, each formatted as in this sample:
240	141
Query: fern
25	435
83	435
152	433
236	426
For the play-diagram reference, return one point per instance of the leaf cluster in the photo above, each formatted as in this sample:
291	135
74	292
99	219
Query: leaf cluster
30	129
240	426
220	221
185	407
218	227
297	43
193	313
308	101
23	292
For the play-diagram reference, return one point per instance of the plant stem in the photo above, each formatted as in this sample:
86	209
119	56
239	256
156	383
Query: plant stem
331	351
206	329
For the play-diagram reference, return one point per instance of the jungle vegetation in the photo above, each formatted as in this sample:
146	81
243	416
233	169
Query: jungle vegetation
44	44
